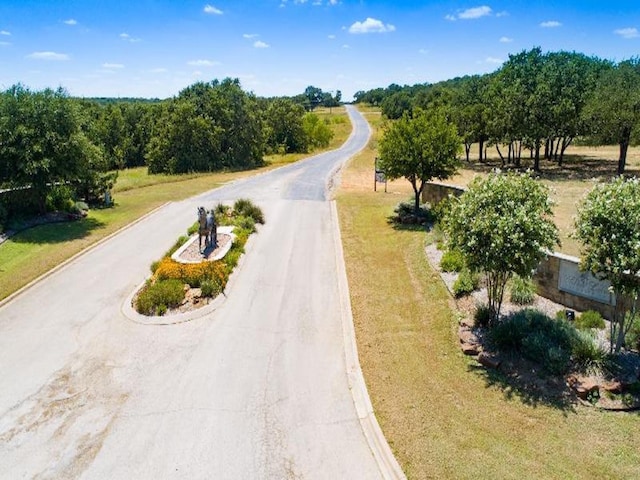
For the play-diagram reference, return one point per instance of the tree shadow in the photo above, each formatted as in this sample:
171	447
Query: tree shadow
521	380
574	167
58	232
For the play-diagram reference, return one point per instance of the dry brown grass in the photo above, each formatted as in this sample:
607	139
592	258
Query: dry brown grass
443	417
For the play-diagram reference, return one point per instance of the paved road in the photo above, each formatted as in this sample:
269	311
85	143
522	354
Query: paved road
256	389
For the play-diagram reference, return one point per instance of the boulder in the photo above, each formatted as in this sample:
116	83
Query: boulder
585	386
613	387
471	349
489	361
467	336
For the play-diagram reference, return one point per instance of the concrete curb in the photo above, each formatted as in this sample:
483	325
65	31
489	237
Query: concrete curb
387	463
69	260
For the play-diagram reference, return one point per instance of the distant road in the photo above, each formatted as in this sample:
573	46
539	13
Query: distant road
256	389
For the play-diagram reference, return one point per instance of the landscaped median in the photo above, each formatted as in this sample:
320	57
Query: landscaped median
443	415
180	283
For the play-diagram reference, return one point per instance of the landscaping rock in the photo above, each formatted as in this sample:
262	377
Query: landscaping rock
467	336
489	361
613	387
471	349
585	387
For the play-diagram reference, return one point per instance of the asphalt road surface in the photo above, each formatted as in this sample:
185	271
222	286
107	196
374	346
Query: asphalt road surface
256	389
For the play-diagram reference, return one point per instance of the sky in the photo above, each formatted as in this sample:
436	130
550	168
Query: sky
155	48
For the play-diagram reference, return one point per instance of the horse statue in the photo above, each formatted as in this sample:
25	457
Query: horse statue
207	229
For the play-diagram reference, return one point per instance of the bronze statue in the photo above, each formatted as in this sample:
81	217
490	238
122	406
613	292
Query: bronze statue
207	229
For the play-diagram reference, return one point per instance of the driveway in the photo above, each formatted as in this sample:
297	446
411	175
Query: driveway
259	388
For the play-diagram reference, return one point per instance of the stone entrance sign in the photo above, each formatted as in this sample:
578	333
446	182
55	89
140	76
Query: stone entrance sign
583	284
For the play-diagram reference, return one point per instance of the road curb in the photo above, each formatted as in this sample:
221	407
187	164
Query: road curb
387	463
69	260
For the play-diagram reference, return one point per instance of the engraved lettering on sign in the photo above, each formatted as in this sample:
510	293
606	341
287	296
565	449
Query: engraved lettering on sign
583	284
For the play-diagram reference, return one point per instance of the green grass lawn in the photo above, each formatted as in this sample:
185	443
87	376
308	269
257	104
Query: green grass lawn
444	417
37	250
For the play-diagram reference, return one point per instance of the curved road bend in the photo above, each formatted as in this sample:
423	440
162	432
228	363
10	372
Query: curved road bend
256	389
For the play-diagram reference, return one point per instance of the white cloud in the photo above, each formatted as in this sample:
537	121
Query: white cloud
250	35
113	66
423	51
502	14
345	46
4	32
475	12
551	24
260	44
58	57
494	60
196	73
202	63
5	44
126	36
371	25
630	32
159	70
211	10
451	18
506	40
331	37
71	21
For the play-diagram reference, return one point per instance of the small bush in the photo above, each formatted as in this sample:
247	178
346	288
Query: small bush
405	214
155	298
589	319
244	207
466	283
551	343
586	353
221	211
79	208
632	340
523	291
60	198
210	288
441	210
452	261
482	316
193	228
154	266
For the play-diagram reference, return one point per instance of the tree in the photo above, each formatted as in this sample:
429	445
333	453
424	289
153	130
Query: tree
284	129
420	148
41	142
313	97
502	225
607	225
614	108
317	132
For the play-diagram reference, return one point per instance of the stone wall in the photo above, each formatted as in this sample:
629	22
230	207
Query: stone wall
434	192
559	279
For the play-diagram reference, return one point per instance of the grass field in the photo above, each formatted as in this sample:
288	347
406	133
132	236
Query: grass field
35	251
443	417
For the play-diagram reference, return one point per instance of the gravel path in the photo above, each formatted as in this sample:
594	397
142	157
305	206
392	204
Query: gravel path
192	252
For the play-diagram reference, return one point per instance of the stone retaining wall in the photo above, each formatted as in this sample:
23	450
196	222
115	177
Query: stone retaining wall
434	192
559	279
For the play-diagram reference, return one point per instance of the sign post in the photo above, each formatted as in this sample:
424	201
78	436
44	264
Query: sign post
379	176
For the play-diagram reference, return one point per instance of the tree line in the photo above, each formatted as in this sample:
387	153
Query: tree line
55	149
538	103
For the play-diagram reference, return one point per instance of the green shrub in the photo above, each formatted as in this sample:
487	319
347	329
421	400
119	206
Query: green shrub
60	198
155	298
193	228
221	211
245	223
632	340
552	343
466	283
79	207
244	207
210	288
441	210
523	290
586	353
482	315
452	261
589	319
154	266
405	213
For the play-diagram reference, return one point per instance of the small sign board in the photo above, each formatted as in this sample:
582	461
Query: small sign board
380	177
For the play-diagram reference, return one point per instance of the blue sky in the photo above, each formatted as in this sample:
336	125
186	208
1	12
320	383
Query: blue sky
154	48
